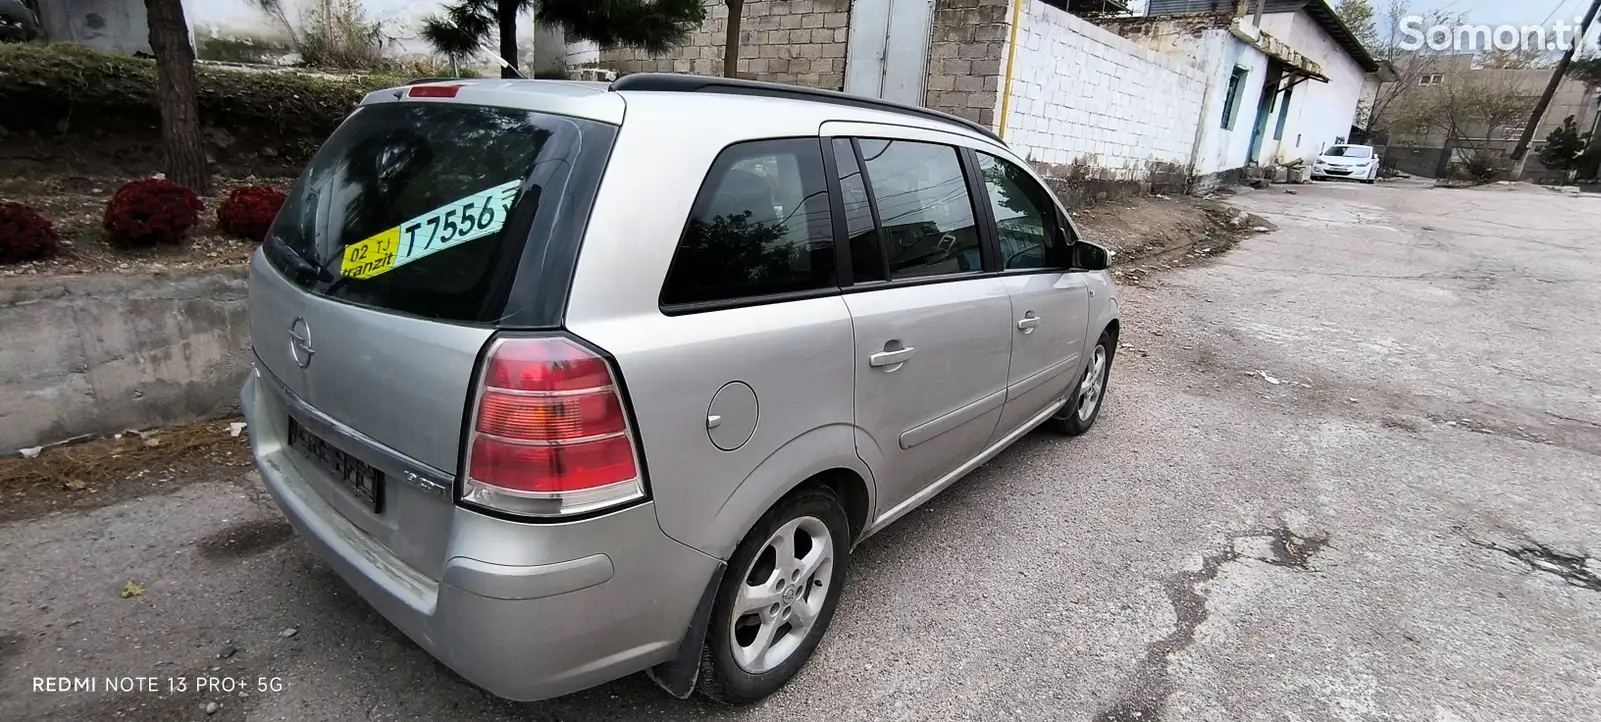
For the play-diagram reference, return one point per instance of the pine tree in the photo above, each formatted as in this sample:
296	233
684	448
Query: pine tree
1564	146
183	155
654	25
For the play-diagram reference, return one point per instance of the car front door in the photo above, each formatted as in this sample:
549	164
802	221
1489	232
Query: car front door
932	329
1049	303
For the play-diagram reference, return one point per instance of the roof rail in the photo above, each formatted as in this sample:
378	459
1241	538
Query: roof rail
674	82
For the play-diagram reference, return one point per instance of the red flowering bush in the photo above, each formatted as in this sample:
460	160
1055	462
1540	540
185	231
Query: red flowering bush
249	210
24	234
149	211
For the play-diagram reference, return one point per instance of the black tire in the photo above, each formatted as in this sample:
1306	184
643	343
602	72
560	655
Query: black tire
1067	421
722	679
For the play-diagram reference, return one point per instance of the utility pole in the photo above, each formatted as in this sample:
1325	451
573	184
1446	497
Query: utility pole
1520	154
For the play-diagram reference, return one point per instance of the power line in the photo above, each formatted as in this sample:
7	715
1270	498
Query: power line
1560	4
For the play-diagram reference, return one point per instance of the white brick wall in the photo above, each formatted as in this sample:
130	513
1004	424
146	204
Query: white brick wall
1083	95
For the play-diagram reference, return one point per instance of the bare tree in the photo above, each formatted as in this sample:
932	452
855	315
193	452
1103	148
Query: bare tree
1586	70
1530	58
1474	112
1410	65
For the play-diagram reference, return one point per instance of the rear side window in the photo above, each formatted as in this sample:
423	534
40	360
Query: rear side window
923	207
424	208
1025	217
760	226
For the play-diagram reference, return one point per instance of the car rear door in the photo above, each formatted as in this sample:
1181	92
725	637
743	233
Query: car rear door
719	297
932	327
1050	303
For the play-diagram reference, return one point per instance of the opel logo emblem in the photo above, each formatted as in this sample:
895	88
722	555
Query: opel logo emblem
300	342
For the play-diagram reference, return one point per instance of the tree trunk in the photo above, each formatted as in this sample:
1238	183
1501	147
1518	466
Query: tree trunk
731	40
183	154
506	13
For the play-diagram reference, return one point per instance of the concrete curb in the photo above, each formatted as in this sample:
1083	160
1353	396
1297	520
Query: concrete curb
103	353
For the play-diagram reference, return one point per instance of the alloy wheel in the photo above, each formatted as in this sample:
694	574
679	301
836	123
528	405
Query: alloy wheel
782	594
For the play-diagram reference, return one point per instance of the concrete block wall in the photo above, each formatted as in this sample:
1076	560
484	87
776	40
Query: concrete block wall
783	41
1089	105
967	55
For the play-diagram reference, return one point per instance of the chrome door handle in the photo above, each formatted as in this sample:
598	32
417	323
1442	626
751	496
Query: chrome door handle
714	421
890	358
1027	323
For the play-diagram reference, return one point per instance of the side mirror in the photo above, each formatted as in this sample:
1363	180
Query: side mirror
1090	257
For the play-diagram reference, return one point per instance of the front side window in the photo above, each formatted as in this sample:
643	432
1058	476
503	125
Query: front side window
1025	217
923	207
759	227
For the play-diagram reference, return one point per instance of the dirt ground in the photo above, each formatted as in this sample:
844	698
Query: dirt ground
127	465
1150	234
76	204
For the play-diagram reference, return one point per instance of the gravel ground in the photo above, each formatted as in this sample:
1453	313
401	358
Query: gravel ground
1346	472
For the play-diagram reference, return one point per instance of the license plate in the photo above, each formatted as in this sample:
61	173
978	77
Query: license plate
360	478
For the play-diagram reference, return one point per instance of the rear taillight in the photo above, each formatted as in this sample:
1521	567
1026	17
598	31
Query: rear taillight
549	435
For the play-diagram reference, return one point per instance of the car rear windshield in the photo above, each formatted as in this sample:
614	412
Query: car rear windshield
1350	151
426	208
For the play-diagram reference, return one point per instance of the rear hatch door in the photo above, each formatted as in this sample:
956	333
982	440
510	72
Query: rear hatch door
387	271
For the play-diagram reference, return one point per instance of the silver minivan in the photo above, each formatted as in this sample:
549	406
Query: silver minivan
572	381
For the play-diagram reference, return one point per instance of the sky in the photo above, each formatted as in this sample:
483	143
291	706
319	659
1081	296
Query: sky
1497	12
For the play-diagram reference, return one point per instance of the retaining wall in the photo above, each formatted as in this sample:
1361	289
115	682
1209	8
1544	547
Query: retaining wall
100	354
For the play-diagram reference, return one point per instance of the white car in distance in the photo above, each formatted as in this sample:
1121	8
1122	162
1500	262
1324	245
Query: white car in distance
1352	162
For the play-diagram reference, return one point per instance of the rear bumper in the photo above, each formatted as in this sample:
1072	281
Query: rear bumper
526	611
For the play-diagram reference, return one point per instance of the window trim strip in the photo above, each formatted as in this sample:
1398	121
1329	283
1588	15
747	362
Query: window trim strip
983	213
836	211
872	208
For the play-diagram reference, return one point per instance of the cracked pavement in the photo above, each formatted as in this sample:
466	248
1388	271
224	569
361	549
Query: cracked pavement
1403	527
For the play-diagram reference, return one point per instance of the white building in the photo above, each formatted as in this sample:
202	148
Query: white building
1276	94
